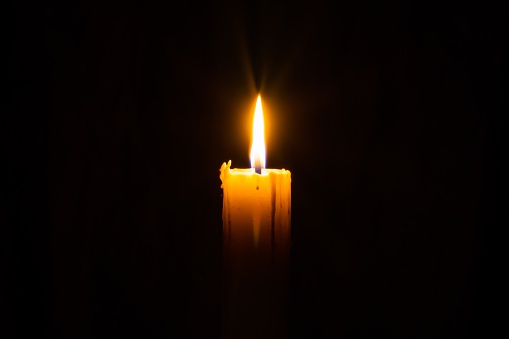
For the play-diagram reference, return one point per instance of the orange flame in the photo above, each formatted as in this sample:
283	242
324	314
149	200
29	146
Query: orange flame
258	145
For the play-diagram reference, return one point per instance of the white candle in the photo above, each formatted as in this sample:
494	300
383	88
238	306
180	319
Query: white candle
256	244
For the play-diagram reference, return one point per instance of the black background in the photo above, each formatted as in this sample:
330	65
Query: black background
118	115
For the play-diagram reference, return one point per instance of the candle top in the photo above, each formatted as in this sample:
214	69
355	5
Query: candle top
226	171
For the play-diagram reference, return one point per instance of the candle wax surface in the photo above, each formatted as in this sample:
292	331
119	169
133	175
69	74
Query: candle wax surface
256	207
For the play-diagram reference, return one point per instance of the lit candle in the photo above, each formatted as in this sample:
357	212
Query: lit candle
256	243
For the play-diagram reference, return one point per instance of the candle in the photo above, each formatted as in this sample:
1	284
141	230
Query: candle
256	243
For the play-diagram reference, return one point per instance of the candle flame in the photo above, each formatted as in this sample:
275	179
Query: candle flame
258	146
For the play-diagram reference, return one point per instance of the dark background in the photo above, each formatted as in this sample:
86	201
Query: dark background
118	115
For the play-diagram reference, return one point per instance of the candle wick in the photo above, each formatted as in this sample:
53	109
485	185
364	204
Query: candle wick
258	166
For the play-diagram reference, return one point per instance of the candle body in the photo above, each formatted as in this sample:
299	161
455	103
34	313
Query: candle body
256	251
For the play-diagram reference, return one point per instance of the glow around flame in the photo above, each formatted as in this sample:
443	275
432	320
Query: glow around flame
258	145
